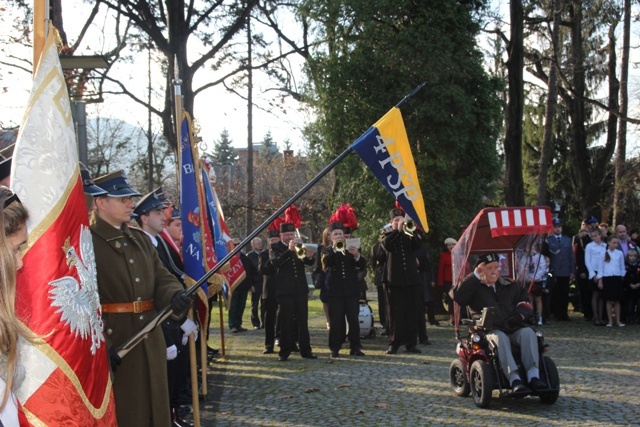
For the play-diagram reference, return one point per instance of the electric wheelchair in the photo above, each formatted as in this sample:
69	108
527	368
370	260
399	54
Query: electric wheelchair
477	370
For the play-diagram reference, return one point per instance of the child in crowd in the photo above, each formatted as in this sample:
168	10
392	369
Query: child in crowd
610	274
536	279
593	254
632	287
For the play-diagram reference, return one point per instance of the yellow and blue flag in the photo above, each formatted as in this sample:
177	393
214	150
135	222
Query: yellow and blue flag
385	150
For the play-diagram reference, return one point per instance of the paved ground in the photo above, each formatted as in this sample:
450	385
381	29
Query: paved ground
599	370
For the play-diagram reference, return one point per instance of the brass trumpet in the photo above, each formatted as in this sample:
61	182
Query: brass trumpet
301	251
340	246
409	227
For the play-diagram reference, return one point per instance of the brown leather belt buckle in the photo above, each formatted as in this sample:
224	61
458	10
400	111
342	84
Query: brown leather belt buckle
138	306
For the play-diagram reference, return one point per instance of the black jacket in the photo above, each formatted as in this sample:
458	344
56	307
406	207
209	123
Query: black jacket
401	268
342	273
288	270
476	295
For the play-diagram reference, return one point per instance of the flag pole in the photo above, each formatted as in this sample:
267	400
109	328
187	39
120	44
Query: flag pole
40	29
167	311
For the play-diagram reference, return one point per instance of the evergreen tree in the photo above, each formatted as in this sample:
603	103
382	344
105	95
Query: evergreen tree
223	152
377	52
269	146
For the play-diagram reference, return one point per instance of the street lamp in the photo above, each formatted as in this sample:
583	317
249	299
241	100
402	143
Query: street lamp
78	111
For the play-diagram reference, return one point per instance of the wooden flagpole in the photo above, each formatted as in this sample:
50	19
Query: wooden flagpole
40	29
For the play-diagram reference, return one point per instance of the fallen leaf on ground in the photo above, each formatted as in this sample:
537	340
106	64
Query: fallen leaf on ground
381	405
311	390
360	412
344	385
286	396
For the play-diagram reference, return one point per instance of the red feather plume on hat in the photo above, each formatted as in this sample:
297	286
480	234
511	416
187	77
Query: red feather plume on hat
292	215
275	225
346	215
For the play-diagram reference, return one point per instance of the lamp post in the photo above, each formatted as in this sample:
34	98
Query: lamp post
78	110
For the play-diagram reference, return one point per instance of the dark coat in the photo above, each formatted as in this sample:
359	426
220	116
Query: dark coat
476	295
401	268
378	259
342	273
560	253
257	276
129	269
290	274
268	276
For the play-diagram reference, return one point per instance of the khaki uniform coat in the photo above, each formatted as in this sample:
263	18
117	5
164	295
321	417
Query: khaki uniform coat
129	269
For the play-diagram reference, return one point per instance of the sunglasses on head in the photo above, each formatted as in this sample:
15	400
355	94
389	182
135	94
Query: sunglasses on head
7	196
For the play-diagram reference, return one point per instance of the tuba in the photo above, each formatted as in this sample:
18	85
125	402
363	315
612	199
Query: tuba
340	246
409	227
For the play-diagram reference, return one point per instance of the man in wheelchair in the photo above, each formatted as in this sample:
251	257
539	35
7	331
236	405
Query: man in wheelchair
511	312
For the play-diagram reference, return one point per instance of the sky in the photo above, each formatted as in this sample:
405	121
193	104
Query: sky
215	109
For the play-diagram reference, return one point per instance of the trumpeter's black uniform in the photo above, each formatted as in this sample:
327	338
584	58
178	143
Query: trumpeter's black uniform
292	292
402	280
269	297
343	292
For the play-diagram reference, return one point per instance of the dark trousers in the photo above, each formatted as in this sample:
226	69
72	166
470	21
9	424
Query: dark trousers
560	298
382	306
404	315
422	323
585	297
339	308
236	307
177	374
293	314
257	313
270	306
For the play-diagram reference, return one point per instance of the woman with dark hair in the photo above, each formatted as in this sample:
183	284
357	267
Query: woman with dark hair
13	219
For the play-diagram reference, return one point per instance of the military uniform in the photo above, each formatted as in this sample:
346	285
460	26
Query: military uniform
132	285
343	292
292	292
403	289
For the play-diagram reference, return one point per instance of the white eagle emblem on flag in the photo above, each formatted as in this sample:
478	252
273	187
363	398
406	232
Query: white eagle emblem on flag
79	302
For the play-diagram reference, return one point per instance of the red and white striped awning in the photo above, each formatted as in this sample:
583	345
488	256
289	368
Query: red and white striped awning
518	221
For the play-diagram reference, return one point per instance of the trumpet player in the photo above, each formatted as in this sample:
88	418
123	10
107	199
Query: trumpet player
340	264
402	282
288	268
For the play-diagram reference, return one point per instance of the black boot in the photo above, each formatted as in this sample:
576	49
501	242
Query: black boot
177	420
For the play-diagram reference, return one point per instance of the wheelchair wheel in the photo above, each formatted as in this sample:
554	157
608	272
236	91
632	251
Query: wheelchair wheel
458	379
550	397
481	383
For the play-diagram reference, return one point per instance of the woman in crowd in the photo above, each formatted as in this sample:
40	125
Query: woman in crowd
536	279
610	274
593	253
445	274
13	218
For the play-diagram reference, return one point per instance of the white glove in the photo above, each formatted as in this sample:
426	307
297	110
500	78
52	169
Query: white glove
185	337
189	327
172	352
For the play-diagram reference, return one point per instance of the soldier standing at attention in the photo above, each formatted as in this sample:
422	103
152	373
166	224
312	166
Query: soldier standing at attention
133	284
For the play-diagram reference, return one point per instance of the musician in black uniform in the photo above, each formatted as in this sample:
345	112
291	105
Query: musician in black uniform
292	291
257	308
403	284
150	217
269	299
340	264
378	258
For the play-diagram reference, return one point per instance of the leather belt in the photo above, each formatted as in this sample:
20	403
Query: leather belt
128	307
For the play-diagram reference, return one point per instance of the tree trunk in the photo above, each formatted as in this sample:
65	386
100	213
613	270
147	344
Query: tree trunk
621	151
250	196
514	185
550	108
579	154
